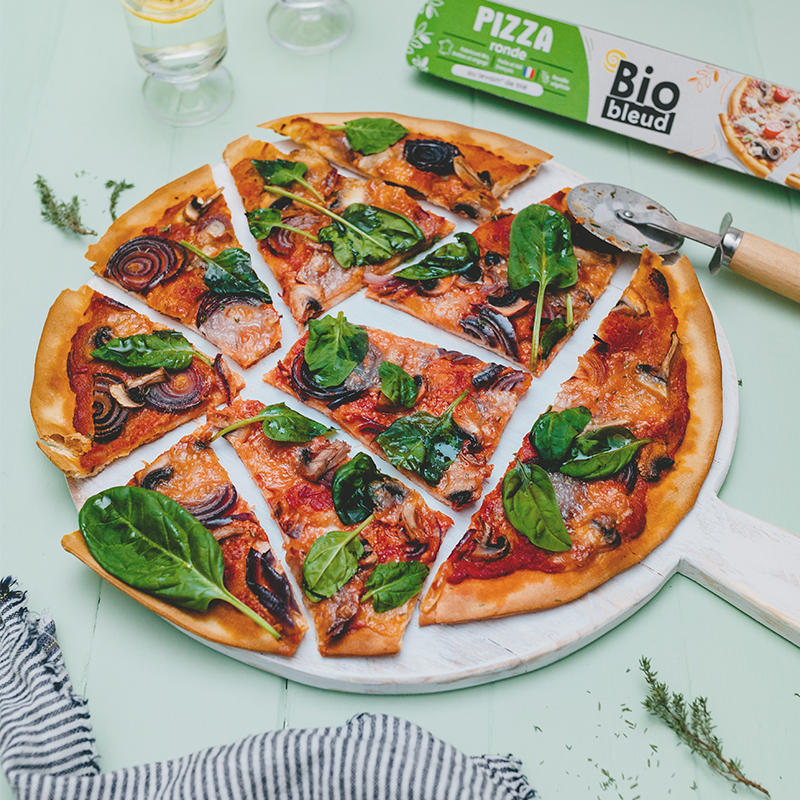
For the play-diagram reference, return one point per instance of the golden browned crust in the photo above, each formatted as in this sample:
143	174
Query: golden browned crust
222	623
52	401
667	502
793	180
198	183
363	642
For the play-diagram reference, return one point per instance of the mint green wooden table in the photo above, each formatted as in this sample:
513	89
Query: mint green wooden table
72	111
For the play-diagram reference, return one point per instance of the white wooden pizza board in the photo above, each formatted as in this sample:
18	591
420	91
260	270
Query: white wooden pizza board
749	563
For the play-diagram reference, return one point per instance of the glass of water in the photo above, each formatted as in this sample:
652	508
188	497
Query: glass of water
310	26
180	44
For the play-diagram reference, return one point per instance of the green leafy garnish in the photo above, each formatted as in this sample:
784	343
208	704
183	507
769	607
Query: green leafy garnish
553	433
152	543
553	334
370	135
231	272
531	507
334	348
424	443
281	424
394	583
456	258
540	252
281	173
117	188
397	385
370	233
66	216
262	221
331	561
602	453
351	489
167	349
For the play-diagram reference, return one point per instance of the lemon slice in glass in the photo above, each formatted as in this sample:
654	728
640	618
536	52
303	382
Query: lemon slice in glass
166	10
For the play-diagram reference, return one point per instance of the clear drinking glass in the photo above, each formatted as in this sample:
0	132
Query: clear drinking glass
180	44
310	26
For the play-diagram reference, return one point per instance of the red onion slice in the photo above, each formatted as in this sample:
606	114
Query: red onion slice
144	262
210	510
182	391
303	383
108	415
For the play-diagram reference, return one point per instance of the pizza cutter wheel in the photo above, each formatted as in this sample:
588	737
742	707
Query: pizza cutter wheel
631	221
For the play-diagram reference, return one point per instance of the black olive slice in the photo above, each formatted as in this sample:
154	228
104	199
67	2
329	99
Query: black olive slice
431	155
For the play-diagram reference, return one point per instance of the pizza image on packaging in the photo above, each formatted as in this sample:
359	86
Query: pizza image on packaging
107	380
465	170
177	252
359	542
318	230
608	471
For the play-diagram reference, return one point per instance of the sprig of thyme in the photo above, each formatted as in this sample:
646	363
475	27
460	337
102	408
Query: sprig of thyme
117	188
693	727
66	216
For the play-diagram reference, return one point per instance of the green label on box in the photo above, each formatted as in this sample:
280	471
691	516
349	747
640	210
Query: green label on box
514	54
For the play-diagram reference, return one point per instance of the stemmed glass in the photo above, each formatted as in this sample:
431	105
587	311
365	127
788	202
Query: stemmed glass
310	26
180	44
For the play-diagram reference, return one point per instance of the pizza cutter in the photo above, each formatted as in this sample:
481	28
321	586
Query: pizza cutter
631	221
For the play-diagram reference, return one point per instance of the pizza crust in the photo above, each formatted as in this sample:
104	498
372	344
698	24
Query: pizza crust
667	502
222	623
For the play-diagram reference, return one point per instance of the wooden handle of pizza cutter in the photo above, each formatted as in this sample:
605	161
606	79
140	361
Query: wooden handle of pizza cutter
768	264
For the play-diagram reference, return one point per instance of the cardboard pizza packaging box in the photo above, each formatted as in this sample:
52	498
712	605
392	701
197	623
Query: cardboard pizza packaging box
623	86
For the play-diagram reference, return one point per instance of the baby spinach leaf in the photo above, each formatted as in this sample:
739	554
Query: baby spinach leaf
281	424
394	583
456	258
334	348
531	507
262	221
394	233
350	489
553	433
397	385
424	443
553	334
332	560
540	252
231	272
168	349
279	172
369	135
152	543
602	453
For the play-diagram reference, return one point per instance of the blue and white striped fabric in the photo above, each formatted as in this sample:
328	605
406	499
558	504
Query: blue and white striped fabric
47	751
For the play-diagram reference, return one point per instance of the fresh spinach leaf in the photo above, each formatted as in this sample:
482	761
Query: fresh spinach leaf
394	583
331	561
553	334
553	433
394	233
531	507
456	258
602	453
152	543
369	135
350	489
262	221
397	385
279	172
334	348
231	272
168	349
540	252
424	443
281	424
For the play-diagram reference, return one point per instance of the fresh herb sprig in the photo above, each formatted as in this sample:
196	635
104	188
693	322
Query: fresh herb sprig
117	188
693	726
66	216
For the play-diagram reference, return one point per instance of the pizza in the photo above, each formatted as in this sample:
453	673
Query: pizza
434	414
190	473
762	126
319	259
317	493
476	303
608	471
107	380
177	252
465	170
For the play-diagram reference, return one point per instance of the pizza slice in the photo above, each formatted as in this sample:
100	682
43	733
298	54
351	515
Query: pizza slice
177	252
463	287
434	414
608	471
107	380
319	230
465	170
190	473
359	542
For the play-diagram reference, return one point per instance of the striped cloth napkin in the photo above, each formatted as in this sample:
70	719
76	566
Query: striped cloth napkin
47	751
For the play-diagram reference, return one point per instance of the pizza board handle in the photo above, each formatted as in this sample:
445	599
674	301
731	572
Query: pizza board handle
753	565
768	264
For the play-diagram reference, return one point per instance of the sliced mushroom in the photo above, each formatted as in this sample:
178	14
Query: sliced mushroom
159	471
653	461
196	207
608	529
121	392
466	173
436	286
657	379
313	465
632	303
486	548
